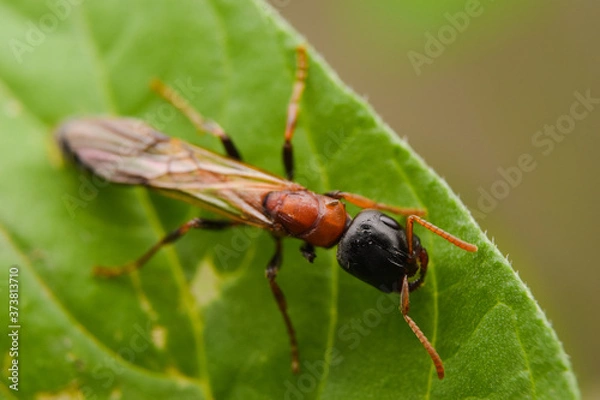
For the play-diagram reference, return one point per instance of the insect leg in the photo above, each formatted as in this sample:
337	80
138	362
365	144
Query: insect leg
438	231
404	306
200	123
364	202
271	274
308	251
294	109
196	223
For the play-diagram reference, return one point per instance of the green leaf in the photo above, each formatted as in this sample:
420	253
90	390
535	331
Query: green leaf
199	320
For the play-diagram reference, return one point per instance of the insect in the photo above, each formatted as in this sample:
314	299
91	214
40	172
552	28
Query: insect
372	246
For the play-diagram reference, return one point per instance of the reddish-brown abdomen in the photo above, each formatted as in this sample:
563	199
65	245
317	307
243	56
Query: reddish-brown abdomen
317	219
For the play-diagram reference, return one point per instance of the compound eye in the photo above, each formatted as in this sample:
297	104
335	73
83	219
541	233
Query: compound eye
389	222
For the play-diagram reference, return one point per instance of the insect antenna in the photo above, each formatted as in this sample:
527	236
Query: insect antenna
438	231
404	303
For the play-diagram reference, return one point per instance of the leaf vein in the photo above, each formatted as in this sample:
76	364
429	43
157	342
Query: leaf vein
74	322
193	313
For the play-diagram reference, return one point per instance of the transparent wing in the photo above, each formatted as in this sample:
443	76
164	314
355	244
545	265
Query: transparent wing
128	151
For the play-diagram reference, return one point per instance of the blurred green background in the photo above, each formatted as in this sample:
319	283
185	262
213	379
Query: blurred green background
473	105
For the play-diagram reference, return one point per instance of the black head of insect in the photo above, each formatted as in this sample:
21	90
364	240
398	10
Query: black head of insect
374	249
